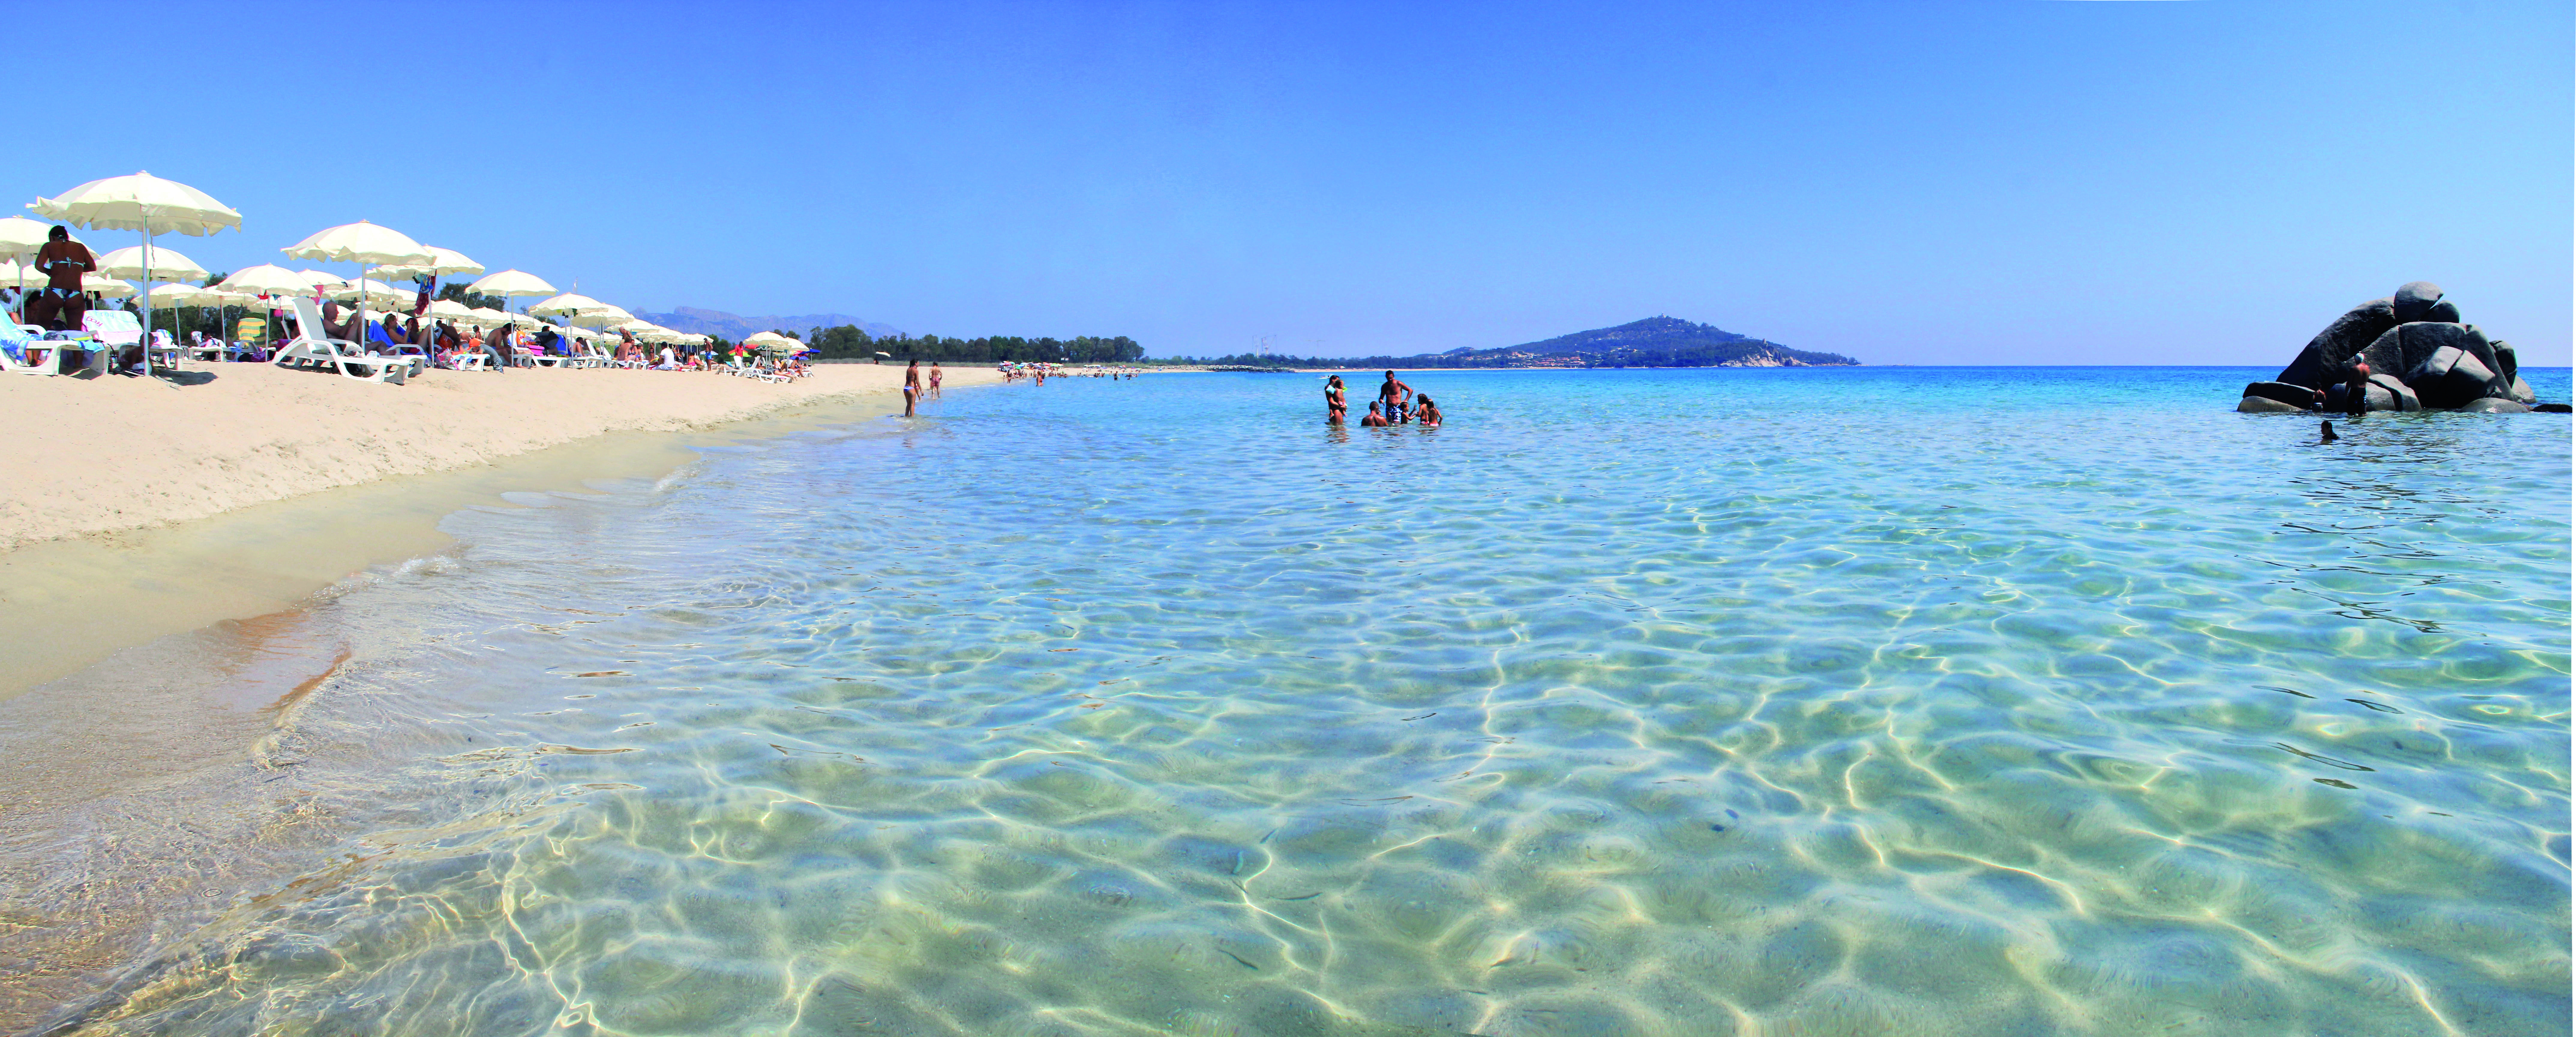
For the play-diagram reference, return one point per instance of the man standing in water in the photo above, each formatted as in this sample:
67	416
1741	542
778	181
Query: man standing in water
2356	392
1392	394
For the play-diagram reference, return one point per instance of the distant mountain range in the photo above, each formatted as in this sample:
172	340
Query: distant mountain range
1653	342
735	327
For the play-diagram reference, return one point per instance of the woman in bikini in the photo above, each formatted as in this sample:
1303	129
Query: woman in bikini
1429	412
911	387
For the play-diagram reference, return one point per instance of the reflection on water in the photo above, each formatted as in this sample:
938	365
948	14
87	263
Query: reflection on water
1685	703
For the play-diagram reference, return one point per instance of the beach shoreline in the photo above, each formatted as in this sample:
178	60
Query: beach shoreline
111	540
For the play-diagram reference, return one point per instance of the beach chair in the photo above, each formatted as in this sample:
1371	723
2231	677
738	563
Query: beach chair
248	333
379	345
209	349
115	330
167	349
310	348
23	350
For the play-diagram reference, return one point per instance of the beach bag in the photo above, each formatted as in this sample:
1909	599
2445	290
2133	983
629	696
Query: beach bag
250	330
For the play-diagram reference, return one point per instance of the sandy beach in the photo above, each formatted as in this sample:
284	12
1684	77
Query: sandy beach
126	453
170	507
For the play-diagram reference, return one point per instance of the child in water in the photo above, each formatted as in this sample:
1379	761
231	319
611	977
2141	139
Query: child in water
1430	412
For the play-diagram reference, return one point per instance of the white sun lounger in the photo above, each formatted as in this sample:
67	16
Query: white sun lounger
312	348
19	346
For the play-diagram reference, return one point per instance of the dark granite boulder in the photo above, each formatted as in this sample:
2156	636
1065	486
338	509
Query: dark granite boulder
2552	408
2321	364
2415	299
2519	391
2406	399
2378	398
2450	378
2295	395
2494	406
2443	312
2404	348
2507	364
2266	405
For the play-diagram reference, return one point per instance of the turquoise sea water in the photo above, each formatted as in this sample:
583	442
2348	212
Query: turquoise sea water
1926	701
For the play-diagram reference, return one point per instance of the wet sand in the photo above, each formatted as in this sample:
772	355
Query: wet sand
135	535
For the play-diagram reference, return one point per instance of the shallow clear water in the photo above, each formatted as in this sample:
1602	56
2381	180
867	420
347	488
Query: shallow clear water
1827	701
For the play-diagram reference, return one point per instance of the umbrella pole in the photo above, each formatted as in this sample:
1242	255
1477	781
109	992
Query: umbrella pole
147	303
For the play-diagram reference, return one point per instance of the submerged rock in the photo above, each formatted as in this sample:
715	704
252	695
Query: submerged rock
2491	405
2266	405
2297	396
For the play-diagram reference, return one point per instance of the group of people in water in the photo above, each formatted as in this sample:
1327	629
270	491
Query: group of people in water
1396	404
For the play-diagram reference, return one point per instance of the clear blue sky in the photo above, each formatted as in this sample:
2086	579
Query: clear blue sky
2010	182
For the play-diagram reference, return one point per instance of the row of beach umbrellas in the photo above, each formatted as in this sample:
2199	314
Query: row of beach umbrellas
153	206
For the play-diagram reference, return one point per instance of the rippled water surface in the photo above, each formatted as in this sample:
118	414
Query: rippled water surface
1833	701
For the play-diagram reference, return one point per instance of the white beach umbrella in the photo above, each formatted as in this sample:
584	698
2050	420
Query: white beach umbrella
15	274
449	310
568	304
443	261
145	204
376	291
105	287
511	284
177	295
488	315
167	265
603	317
267	279
360	242
363	243
20	237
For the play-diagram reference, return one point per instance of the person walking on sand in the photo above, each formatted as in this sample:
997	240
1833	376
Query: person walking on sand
911	387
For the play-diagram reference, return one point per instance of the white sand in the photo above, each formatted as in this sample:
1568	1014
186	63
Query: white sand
89	457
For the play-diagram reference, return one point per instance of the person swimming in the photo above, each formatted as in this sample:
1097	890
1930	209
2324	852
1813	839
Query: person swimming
2325	432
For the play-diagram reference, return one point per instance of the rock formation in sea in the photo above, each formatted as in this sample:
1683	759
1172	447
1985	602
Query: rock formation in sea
2421	357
